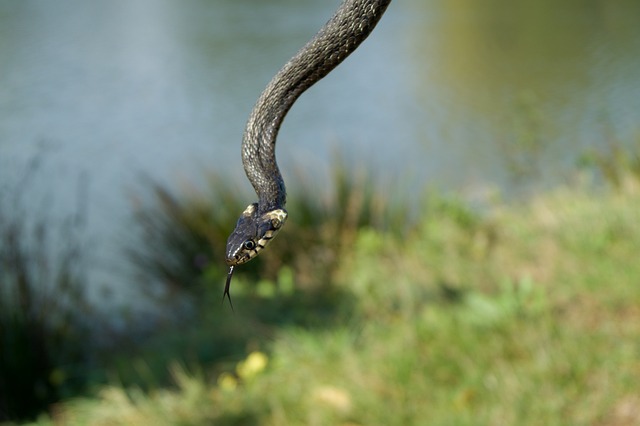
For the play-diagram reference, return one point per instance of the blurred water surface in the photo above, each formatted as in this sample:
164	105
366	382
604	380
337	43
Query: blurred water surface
460	95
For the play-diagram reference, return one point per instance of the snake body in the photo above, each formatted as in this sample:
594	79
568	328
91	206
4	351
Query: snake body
350	25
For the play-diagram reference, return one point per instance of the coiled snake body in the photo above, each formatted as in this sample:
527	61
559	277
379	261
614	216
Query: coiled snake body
340	36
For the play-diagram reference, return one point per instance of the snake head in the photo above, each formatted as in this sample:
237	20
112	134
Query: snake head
252	234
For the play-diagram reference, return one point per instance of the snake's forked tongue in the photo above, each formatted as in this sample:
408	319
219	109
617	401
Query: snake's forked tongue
226	287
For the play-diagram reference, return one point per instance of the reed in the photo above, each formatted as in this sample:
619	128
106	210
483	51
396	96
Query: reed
43	308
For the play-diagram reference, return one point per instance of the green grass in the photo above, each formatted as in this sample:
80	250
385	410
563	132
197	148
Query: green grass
43	306
185	235
526	315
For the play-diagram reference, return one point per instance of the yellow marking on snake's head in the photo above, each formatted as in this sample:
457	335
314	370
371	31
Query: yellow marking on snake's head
252	234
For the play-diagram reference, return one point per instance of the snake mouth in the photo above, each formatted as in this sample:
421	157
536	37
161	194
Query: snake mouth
239	257
238	260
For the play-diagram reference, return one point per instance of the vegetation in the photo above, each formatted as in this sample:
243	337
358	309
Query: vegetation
523	314
42	304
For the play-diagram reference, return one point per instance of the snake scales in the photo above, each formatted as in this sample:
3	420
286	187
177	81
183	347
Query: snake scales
340	36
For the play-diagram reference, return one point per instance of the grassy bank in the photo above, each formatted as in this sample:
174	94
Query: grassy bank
529	314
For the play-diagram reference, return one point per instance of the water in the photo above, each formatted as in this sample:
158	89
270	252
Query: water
457	95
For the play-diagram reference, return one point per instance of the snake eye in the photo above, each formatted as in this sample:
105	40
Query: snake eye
249	245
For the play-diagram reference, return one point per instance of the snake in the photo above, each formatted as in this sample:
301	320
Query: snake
261	221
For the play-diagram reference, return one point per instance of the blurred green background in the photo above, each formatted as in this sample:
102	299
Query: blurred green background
464	216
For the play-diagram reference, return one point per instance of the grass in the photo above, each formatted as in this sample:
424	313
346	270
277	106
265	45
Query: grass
43	308
186	236
528	314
